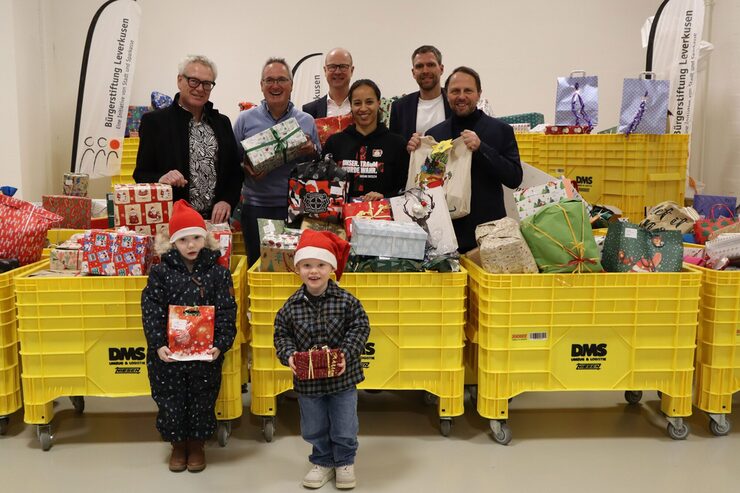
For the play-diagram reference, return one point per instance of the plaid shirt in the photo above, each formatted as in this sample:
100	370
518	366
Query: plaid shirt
337	320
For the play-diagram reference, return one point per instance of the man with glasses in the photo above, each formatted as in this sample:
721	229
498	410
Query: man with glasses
338	70
415	113
266	194
189	145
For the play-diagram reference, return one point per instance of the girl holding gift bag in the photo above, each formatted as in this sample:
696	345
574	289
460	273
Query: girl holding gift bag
322	314
375	158
186	391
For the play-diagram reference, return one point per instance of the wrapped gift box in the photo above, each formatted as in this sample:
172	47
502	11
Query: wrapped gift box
222	233
567	129
133	120
75	211
277	251
66	257
190	332
317	363
143	207
319	225
388	239
531	199
24	229
76	184
533	119
331	125
275	146
116	253
376	209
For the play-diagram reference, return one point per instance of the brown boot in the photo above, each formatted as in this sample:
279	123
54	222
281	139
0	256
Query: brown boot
179	457
196	456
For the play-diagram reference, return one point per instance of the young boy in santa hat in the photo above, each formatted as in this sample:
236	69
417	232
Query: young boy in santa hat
321	314
186	391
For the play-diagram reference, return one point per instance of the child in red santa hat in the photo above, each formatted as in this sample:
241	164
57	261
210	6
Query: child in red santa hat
186	391
322	314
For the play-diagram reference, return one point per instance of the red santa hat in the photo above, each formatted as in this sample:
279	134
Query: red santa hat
323	245
185	221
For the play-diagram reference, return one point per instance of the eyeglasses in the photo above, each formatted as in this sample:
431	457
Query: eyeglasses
333	67
193	83
280	80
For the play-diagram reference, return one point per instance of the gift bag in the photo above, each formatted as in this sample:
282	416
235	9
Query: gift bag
190	332
705	226
317	189
317	363
446	163
577	100
644	106
560	238
669	216
703	204
24	229
223	235
160	100
427	207
503	249
331	125
630	248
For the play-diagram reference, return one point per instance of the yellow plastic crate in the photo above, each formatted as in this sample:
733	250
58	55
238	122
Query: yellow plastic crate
128	162
416	339
718	346
10	385
602	331
631	173
82	336
529	147
238	247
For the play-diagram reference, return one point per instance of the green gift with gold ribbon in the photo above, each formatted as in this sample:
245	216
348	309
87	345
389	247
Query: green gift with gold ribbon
274	146
561	239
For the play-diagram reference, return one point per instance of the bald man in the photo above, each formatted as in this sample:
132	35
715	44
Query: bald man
338	69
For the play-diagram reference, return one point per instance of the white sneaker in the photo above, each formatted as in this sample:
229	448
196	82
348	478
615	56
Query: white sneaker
346	477
318	476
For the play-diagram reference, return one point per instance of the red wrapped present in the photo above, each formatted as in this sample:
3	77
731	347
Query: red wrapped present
331	125
222	233
143	207
75	211
190	332
317	363
376	209
116	253
24	229
567	129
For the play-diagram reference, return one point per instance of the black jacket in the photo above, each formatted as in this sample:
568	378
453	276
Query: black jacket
171	283
403	114
165	145
382	154
317	107
496	162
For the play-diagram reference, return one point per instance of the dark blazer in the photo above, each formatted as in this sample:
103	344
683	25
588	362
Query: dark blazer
316	108
165	145
403	114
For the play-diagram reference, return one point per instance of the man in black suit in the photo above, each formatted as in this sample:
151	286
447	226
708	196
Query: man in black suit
338	69
415	113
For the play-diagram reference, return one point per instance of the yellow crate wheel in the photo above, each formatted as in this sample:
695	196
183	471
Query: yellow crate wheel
78	402
500	431
223	432
677	429
43	432
268	427
719	424
633	396
4	425
445	425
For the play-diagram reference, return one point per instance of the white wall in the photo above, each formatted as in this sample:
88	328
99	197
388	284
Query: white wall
10	152
519	47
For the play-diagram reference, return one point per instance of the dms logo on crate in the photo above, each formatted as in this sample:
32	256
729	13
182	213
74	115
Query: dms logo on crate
126	355
368	354
585	350
584	180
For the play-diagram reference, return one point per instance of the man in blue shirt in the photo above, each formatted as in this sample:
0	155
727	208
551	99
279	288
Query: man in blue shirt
266	194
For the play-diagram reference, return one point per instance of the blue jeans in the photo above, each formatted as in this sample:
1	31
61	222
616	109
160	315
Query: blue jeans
329	423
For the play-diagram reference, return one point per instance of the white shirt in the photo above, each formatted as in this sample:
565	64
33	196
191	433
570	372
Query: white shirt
429	112
333	109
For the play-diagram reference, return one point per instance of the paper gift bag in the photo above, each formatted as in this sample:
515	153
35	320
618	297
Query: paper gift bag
331	125
76	211
376	209
577	100
629	248
317	363
503	249
703	204
644	106
24	229
143	207
669	216
190	332
561	239
275	146
222	233
427	207
317	189
446	163
706	226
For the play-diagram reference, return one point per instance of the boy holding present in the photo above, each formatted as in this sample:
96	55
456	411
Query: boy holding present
322	314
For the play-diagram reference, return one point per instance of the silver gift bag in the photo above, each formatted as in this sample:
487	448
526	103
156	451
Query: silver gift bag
577	100
644	106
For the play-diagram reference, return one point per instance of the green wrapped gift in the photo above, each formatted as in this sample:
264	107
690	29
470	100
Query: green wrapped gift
630	248
561	238
275	146
363	263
